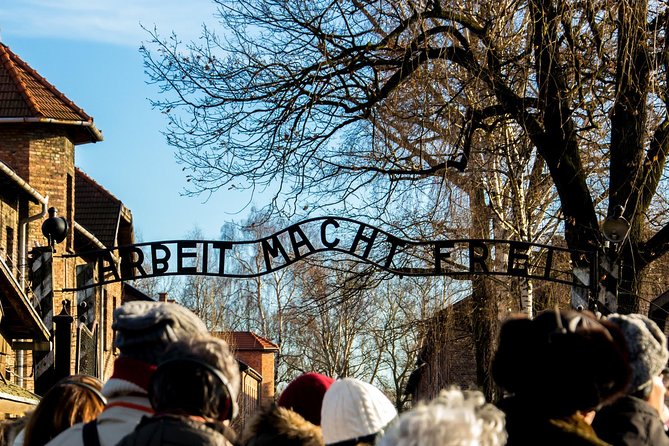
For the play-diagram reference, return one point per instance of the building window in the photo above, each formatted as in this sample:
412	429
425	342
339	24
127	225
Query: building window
10	247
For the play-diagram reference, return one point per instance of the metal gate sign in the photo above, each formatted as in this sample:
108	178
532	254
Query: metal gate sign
369	244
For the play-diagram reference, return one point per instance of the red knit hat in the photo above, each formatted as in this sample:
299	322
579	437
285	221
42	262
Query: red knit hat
304	395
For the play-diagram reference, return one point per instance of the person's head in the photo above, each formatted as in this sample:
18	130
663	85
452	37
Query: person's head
454	418
144	329
647	347
278	426
72	400
561	362
354	412
304	395
197	376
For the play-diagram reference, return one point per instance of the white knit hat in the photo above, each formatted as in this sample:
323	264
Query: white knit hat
353	409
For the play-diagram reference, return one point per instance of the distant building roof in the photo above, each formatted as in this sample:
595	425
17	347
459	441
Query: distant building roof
131	293
246	340
96	209
25	96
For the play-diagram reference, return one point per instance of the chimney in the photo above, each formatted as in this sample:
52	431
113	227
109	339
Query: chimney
162	297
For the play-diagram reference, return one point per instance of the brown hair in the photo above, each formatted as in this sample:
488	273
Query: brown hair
62	406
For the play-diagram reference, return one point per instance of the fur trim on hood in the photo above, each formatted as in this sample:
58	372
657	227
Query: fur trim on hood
278	426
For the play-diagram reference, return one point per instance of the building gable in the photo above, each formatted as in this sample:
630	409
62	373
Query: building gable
25	96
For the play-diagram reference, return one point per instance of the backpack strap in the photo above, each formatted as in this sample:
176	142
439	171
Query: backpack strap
90	434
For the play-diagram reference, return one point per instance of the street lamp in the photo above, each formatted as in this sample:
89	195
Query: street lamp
615	230
616	227
54	228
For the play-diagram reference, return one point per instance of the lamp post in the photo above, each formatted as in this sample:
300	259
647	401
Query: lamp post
615	229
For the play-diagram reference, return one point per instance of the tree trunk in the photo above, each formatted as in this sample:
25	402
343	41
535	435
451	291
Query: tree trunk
484	318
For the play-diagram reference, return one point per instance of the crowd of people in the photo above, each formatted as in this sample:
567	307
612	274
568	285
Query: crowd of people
569	378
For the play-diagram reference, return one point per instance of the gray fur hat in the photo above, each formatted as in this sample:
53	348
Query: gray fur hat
647	347
145	328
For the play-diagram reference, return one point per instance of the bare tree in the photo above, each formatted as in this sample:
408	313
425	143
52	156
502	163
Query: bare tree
302	95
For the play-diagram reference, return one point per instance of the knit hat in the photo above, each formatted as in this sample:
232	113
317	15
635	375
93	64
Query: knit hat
353	410
145	328
647	347
304	395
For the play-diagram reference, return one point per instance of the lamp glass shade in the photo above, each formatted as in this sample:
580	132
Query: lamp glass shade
615	229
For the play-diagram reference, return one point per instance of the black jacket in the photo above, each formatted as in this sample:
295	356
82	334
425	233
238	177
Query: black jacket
172	430
528	426
630	421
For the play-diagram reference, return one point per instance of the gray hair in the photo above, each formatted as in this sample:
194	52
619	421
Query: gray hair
454	418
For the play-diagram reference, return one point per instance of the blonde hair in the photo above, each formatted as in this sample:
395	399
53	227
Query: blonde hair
454	418
68	402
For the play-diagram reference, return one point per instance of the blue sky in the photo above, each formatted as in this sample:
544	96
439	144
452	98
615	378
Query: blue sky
89	50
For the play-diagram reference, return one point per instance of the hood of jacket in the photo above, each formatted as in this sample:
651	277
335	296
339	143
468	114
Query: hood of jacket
279	426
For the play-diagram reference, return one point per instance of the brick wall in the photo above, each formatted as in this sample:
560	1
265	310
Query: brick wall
44	157
263	363
267	372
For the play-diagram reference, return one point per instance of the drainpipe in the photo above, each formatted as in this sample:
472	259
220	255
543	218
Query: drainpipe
23	241
86	233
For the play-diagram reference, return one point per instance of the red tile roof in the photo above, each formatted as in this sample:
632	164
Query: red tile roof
96	209
246	340
26	96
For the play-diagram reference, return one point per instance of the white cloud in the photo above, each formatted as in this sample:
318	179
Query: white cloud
109	21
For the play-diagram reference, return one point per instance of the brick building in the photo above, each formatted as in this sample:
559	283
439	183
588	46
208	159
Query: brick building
257	357
259	354
39	130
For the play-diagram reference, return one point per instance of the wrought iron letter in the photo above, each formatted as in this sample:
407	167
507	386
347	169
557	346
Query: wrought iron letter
324	240
159	265
477	257
107	264
518	259
549	263
304	241
273	250
360	236
394	243
222	247
181	255
130	262
439	255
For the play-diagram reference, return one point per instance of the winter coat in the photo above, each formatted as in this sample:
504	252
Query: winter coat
117	420
174	430
278	426
526	426
630	421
